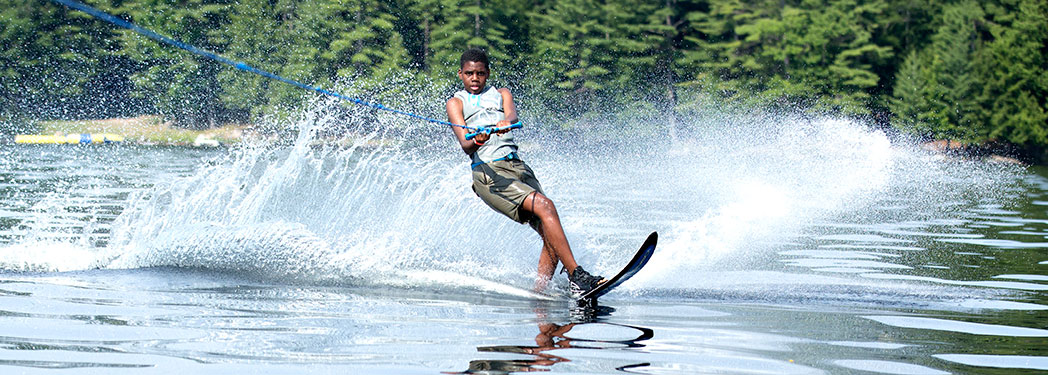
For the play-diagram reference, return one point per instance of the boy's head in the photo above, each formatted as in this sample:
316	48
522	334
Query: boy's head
474	54
473	70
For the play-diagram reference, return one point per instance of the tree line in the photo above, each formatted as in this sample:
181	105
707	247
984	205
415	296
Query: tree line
963	70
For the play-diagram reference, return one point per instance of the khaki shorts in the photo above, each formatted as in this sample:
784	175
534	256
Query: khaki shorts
503	185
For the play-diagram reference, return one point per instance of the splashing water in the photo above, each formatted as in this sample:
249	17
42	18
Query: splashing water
356	199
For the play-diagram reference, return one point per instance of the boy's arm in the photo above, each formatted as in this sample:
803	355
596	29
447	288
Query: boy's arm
509	110
454	108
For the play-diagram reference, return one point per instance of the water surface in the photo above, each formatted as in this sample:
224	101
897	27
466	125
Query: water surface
788	246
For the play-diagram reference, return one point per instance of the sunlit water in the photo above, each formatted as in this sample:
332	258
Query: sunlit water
787	246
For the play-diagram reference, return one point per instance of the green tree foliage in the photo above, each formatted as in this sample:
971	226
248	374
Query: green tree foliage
569	41
918	97
712	39
645	42
588	53
655	59
182	86
806	51
843	57
360	38
257	32
982	77
905	26
55	62
1013	75
464	24
966	70
936	89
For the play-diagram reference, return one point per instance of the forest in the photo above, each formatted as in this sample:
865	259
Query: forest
975	72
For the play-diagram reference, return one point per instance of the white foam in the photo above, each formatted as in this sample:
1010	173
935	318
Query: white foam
999	305
47	257
429	278
887	367
869	344
1005	244
843	270
997	361
1023	277
848	263
872	247
838	254
861	238
991	284
957	326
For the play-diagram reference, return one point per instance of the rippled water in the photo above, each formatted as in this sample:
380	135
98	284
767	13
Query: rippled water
787	246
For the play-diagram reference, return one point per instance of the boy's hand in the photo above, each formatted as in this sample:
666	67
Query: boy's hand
481	137
504	125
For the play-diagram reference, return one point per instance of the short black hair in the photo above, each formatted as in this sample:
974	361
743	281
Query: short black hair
474	54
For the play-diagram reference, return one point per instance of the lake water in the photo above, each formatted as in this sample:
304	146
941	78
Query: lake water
787	246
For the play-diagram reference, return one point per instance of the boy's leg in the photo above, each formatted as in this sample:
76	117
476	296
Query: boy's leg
547	266
554	242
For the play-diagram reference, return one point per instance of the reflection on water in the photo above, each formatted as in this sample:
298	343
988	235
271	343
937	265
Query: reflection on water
170	320
552	337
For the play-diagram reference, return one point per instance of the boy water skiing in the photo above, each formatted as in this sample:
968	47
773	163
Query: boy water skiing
500	178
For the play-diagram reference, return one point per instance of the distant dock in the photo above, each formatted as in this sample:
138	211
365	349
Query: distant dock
61	138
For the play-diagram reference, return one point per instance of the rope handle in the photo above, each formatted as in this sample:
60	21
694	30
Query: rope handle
516	125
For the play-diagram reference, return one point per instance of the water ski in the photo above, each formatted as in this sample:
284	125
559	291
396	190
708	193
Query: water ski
589	299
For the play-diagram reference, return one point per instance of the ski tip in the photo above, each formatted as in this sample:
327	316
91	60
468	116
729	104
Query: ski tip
653	237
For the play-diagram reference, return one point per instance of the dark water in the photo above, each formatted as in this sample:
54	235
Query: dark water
814	246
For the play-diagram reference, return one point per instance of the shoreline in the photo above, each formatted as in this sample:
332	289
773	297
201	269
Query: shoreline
148	130
151	130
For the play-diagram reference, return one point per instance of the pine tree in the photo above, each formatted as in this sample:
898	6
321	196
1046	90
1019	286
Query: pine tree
812	51
255	35
652	59
1013	75
56	62
360	37
711	44
948	88
425	13
183	87
917	98
297	47
461	24
449	37
905	26
838	55
611	52
740	49
956	44
571	53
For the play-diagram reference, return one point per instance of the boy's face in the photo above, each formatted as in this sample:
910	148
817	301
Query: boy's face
474	76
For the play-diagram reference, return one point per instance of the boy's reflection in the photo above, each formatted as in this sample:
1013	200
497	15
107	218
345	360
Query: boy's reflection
552	336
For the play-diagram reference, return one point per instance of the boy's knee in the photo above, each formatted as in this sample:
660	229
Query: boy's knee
542	206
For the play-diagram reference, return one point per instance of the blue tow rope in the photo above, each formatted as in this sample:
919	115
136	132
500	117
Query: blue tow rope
247	68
